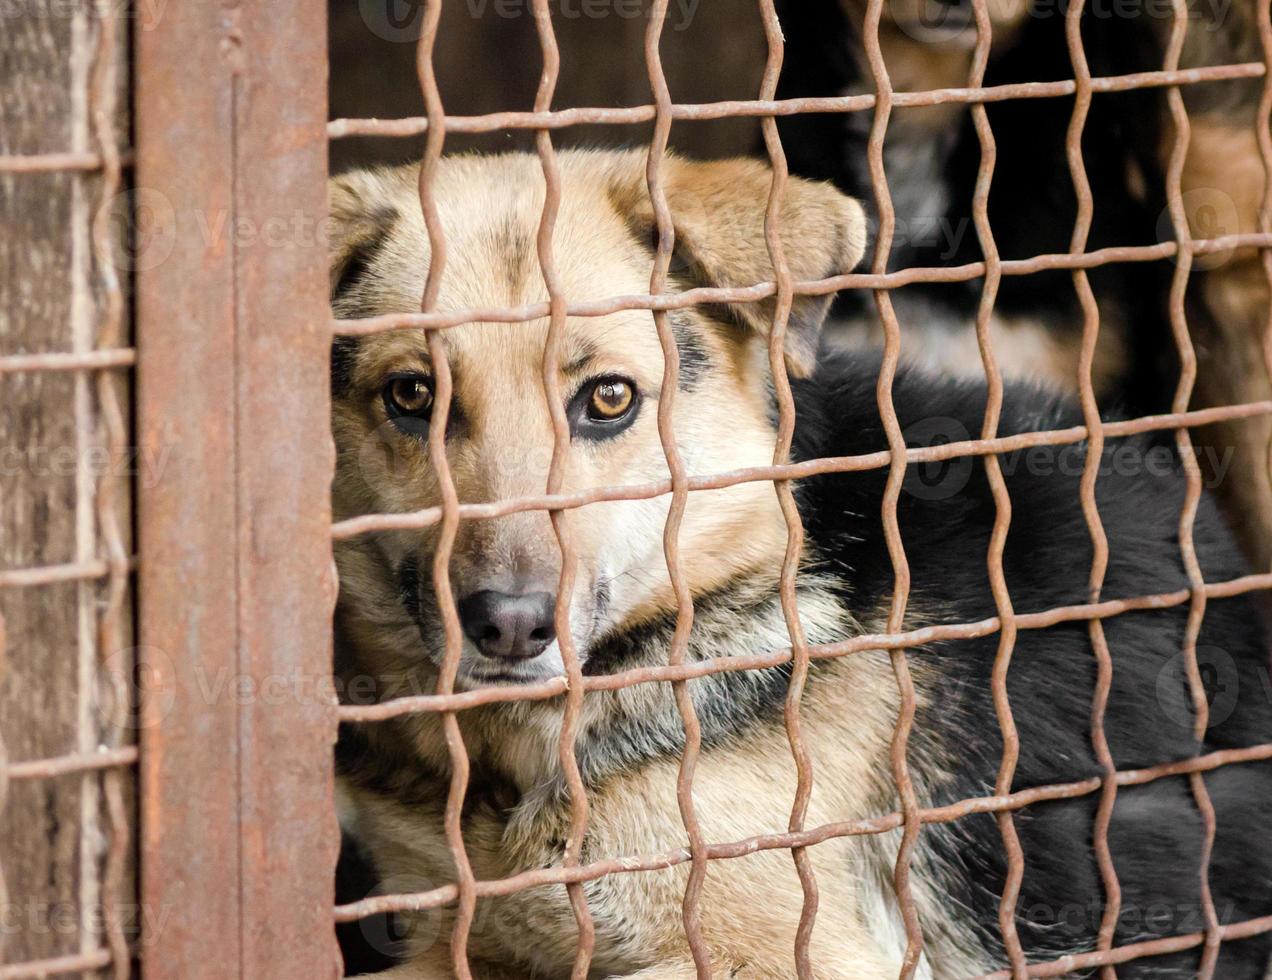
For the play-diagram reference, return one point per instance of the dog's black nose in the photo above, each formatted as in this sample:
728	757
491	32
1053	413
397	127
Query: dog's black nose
512	627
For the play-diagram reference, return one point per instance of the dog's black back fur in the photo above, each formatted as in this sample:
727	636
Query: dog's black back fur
946	513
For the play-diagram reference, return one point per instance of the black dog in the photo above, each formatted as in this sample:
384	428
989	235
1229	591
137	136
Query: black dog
932	156
945	513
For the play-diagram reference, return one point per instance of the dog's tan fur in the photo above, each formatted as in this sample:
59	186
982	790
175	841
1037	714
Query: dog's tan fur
498	372
516	817
1223	183
750	906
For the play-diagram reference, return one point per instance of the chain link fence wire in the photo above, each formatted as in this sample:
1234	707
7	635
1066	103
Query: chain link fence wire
100	366
101	566
910	817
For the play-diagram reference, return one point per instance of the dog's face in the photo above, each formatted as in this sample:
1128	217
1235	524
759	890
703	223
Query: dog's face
505	571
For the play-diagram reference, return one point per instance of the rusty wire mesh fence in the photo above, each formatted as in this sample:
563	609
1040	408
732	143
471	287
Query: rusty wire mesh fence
467	890
65	528
191	738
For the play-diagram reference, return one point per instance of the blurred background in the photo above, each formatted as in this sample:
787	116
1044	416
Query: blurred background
711	51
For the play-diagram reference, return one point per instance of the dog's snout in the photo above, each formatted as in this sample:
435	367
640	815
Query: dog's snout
508	626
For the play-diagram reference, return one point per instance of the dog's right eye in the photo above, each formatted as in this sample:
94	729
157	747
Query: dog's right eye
408	396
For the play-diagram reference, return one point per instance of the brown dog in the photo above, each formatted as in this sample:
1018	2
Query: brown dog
506	572
732	539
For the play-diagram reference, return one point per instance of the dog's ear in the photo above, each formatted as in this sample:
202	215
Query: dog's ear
718	209
359	222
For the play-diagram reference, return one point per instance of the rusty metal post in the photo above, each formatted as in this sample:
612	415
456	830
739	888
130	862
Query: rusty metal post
238	834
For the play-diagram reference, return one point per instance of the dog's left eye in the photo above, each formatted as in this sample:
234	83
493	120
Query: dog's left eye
604	407
408	395
611	399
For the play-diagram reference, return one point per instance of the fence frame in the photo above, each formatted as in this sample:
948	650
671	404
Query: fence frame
464	891
236	581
